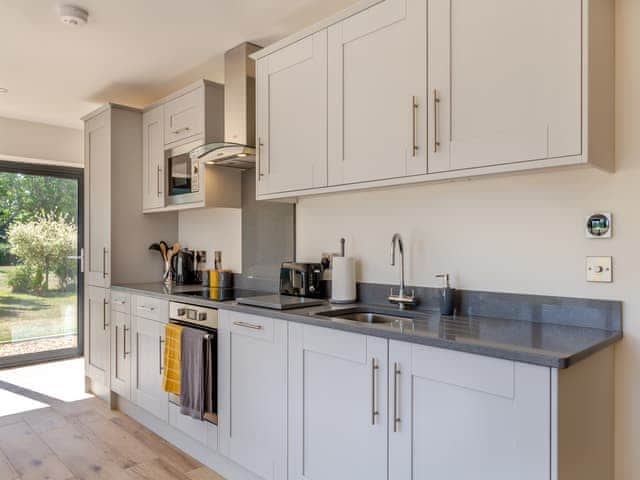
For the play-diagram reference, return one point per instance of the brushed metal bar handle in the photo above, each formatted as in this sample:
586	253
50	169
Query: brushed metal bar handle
104	262
396	394
124	343
374	385
414	112
116	355
146	309
104	314
160	342
180	130
119	302
252	326
260	145
78	257
158	187
436	101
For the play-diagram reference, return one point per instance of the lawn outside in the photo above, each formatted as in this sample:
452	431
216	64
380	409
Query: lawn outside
26	317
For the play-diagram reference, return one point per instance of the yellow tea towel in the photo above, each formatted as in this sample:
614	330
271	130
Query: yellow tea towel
171	370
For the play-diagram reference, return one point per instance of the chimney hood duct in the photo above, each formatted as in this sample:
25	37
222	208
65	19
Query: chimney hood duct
238	149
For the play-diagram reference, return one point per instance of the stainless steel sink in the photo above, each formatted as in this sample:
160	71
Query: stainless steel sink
369	315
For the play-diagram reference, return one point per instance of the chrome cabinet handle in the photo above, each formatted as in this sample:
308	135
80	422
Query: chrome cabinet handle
116	353
160	342
260	145
104	262
146	309
374	389
104	314
158	187
124	343
396	395
252	326
436	101
414	112
180	130
119	302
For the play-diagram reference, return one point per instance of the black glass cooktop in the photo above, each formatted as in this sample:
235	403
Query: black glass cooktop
221	294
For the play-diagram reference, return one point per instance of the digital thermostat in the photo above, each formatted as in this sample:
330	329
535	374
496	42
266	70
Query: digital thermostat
599	225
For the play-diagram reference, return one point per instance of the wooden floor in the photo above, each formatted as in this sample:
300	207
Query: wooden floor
82	439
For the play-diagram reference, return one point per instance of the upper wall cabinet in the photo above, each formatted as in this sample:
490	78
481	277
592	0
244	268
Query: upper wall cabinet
377	93
505	81
292	117
153	159
429	90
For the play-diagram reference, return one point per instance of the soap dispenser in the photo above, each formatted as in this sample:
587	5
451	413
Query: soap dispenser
446	295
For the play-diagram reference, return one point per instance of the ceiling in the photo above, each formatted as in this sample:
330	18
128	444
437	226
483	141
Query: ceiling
131	51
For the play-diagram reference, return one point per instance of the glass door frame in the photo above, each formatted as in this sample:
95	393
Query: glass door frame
72	173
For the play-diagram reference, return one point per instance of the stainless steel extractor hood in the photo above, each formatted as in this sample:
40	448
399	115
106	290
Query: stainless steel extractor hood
238	150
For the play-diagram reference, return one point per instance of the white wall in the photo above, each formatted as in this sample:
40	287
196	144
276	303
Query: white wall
521	233
213	229
30	141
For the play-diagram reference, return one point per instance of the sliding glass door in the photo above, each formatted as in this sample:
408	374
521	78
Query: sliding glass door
40	263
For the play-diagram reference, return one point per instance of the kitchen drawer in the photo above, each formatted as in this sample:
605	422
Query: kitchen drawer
250	325
184	116
120	302
151	308
493	376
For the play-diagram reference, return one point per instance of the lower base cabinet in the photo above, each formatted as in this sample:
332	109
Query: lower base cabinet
147	364
252	395
121	353
455	415
337	405
96	342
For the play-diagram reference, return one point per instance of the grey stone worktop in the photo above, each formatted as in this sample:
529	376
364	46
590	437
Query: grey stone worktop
559	338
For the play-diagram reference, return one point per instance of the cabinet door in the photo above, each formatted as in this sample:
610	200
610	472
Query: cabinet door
292	117
152	159
378	93
505	81
97	144
466	416
96	353
252	411
337	405
121	353
184	116
147	360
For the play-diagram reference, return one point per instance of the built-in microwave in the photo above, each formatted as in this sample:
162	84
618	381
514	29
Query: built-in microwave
183	176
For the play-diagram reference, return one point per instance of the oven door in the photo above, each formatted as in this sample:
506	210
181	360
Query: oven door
184	174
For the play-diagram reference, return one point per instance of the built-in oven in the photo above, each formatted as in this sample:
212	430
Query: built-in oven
205	319
184	176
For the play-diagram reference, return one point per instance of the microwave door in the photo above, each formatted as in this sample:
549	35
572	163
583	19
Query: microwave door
180	175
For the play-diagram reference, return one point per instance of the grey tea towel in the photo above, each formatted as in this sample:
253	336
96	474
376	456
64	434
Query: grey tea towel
192	373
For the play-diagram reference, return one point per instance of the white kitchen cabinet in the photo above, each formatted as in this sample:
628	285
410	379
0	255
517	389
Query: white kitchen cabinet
292	117
422	91
184	116
153	171
120	353
459	415
506	76
337	405
377	101
252	397
97	145
96	354
147	363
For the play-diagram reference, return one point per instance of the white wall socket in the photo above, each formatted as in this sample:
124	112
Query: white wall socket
600	269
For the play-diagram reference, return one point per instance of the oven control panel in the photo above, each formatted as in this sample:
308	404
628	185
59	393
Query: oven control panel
198	316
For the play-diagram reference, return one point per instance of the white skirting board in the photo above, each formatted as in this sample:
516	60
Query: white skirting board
222	465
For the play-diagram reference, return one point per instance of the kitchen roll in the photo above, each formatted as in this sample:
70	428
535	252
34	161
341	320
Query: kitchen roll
343	280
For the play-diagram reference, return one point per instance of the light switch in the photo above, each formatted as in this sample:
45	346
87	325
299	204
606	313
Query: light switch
599	269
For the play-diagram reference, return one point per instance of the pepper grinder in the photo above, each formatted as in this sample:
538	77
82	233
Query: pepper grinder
446	295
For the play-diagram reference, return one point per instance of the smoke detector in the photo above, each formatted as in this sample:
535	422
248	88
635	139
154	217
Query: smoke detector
72	15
